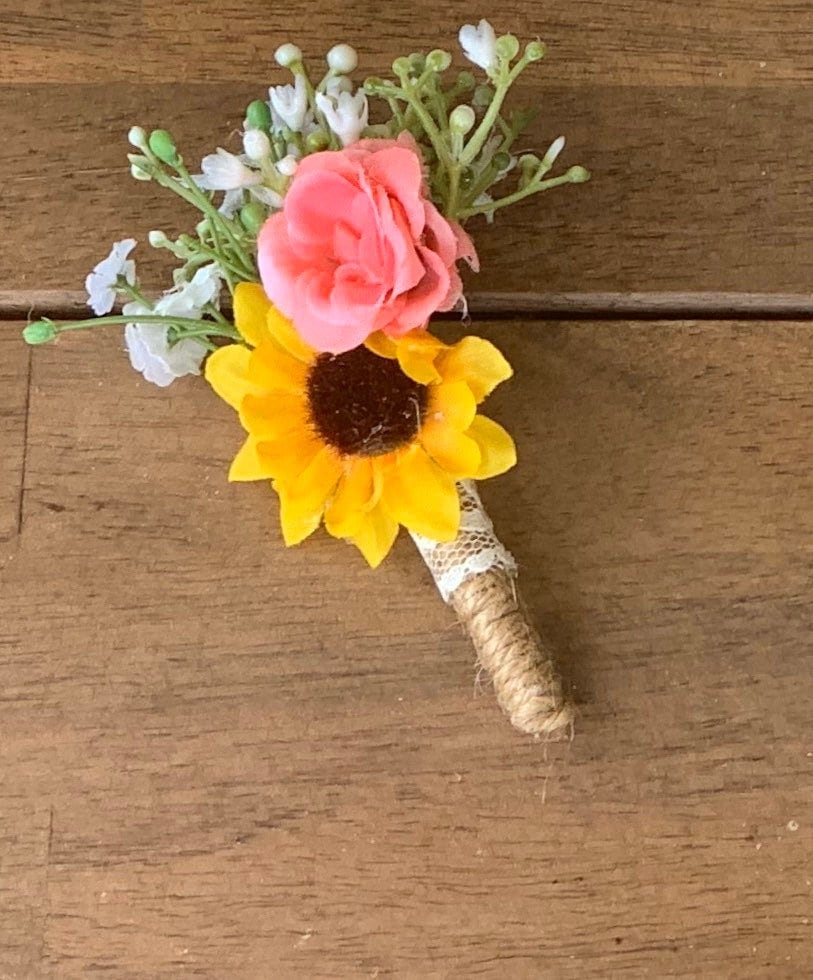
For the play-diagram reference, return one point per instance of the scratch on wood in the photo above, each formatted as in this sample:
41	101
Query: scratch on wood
20	499
50	836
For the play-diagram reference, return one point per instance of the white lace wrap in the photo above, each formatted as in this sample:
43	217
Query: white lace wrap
475	550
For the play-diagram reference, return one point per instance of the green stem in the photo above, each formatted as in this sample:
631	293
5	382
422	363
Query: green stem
131	290
480	135
532	188
201	327
216	219
431	130
215	313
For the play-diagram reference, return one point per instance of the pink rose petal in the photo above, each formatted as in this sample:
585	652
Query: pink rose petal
358	246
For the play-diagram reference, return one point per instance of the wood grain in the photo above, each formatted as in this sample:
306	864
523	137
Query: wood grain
256	756
723	42
696	133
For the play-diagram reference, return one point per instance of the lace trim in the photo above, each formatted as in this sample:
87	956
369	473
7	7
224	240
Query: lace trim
476	548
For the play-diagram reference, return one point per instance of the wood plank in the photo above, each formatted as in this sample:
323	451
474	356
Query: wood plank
722	42
24	842
264	756
14	362
700	160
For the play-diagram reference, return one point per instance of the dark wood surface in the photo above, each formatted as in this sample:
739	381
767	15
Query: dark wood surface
693	117
228	760
220	754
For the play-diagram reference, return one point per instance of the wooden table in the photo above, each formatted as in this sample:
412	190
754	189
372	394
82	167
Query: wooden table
223	759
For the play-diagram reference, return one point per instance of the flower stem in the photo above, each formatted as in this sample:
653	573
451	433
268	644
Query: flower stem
200	327
480	135
216	219
532	188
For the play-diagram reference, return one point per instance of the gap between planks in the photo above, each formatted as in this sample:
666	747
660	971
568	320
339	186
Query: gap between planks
67	305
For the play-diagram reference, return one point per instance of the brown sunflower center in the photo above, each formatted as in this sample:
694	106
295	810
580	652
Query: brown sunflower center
363	404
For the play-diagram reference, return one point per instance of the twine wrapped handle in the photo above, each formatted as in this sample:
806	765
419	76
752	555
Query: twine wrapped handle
476	575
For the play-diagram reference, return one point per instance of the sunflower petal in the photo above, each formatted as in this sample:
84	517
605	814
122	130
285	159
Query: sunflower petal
417	352
453	451
226	371
274	369
353	498
248	464
379	343
297	522
496	447
251	307
285	334
419	495
288	457
302	501
376	536
452	402
272	415
477	362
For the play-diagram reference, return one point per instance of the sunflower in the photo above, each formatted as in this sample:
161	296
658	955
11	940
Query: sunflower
366	440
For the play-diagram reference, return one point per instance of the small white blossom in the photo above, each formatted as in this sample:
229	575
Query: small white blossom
232	202
336	84
287	55
188	299
137	137
346	114
479	44
289	105
101	282
342	58
287	165
256	145
151	354
148	343
223	171
553	152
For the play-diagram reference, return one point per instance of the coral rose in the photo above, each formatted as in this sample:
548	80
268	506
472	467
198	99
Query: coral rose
358	247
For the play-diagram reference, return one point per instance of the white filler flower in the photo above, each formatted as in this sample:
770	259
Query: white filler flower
289	105
479	44
101	283
155	359
346	114
223	171
148	344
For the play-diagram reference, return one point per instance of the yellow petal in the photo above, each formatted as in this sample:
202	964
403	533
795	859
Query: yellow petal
274	369
496	447
288	457
376	536
379	343
302	501
478	363
285	334
272	415
452	402
417	352
248	464
453	451
227	372
251	307
419	495
297	522
354	497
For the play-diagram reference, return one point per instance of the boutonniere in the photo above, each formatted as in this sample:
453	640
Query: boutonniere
305	294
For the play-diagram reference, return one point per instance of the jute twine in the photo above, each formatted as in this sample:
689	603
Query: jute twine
525	678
